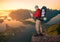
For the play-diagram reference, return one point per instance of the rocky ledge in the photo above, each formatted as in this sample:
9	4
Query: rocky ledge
46	38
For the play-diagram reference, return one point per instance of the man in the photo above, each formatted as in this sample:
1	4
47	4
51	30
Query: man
38	24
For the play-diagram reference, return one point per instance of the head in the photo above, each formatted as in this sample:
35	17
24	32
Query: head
36	7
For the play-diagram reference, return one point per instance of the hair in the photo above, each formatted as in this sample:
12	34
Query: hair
37	6
44	7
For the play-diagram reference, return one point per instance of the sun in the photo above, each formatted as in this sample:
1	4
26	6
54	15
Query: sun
9	18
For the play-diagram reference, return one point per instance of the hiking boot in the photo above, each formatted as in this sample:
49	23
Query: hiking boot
41	34
36	34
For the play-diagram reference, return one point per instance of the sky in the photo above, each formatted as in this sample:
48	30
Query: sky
28	4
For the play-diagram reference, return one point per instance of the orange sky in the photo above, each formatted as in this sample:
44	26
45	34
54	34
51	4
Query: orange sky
28	4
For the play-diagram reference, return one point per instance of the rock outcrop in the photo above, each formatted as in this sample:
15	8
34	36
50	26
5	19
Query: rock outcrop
45	38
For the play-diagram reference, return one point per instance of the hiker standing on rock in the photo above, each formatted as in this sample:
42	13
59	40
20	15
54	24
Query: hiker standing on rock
37	16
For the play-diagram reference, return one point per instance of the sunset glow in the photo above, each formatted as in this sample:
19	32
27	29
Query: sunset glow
28	4
4	13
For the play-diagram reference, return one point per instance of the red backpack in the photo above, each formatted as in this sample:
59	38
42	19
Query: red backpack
37	14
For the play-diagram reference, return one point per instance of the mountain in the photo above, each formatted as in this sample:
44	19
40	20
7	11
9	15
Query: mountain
54	20
20	14
23	14
51	14
53	30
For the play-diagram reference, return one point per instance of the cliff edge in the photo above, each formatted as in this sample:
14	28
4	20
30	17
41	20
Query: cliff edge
46	38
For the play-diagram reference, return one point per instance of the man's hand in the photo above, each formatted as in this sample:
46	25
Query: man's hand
31	14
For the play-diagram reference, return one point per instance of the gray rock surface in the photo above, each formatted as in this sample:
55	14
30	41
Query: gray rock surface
46	38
